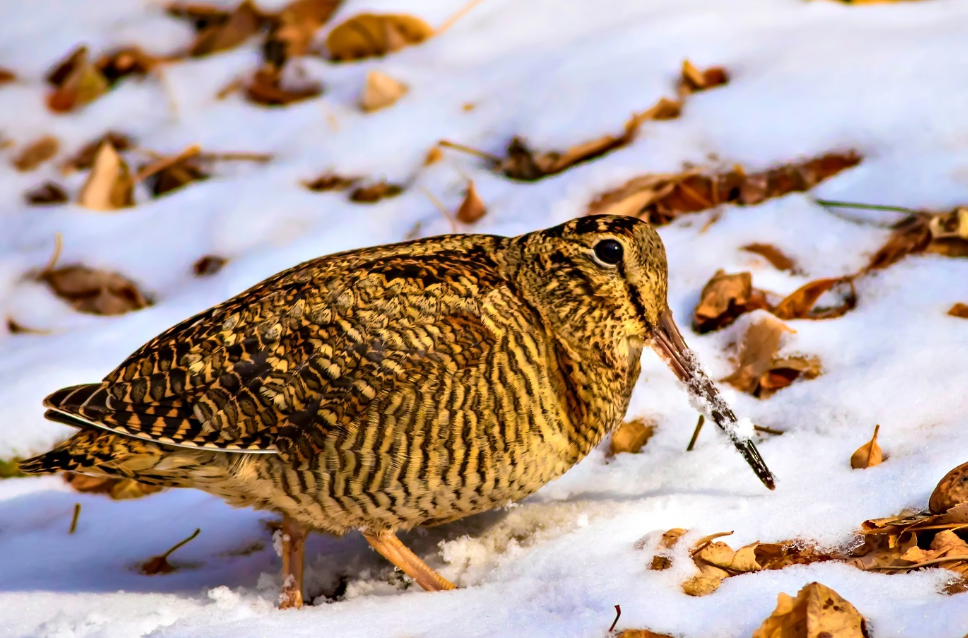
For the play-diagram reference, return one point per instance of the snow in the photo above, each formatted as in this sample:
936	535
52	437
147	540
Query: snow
806	78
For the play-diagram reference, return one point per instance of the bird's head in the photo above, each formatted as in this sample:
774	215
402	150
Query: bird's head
601	283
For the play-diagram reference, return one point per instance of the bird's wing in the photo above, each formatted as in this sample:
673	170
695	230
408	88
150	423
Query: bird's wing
280	366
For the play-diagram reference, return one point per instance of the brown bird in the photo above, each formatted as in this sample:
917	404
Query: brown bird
396	386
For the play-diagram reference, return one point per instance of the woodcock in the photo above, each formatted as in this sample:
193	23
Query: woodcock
396	386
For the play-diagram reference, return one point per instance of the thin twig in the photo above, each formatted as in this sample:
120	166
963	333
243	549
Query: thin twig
449	22
182	542
77	513
440	206
166	162
494	159
707	541
58	247
618	614
766	430
695	433
236	157
828	203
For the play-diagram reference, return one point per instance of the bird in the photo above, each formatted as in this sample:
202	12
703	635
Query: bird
396	386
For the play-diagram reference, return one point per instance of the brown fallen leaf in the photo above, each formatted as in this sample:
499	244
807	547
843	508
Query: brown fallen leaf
694	80
705	582
472	208
959	310
330	181
368	35
268	88
84	158
93	291
109	185
208	265
292	30
381	91
36	153
168	173
14	327
910	236
869	454
630	437
951	490
76	82
724	298
159	564
6	75
816	612
46	194
641	633
243	23
757	354
800	303
121	63
783	372
434	155
117	489
773	255
663	556
373	193
662	198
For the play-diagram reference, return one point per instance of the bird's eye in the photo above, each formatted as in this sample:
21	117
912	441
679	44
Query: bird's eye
608	252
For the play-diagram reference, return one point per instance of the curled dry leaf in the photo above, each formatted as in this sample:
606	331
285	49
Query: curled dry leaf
800	303
98	292
434	155
759	372
36	153
952	490
724	298
268	87
228	33
118	489
959	310
76	80
472	208
293	29
941	234
84	158
380	91
169	173
373	193
694	80
816	612
208	265
109	186
121	63
773	255
368	35
631	437
330	181
662	198
46	194
869	454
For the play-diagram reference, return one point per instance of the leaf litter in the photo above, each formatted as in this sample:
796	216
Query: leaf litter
631	437
36	153
869	454
759	371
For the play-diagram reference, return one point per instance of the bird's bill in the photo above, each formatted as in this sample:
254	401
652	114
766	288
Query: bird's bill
669	345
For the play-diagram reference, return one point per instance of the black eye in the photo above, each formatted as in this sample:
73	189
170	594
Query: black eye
608	251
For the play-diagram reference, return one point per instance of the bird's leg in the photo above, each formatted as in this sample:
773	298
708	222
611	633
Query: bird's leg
397	553
293	544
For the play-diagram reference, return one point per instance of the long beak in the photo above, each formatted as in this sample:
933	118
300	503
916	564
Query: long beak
668	344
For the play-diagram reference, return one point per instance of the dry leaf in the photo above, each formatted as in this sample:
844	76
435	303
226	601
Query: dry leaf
243	23
760	344
869	454
631	437
724	298
799	304
773	255
98	292
785	371
6	75
952	490
293	29
662	198
330	181
663	556
36	153
77	82
208	265
368	35
109	185
266	88
381	91
694	80
121	63
472	208
706	582
117	488
375	192
816	612
159	564
434	155
46	194
84	158
172	172
958	310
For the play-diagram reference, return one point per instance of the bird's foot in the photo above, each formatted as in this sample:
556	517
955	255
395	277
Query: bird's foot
409	563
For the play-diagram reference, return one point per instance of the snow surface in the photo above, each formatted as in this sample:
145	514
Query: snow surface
807	78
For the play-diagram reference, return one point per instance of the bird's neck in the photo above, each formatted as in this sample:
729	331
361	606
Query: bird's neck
597	391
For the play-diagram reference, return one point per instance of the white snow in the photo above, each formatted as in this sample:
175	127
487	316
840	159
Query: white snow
806	78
